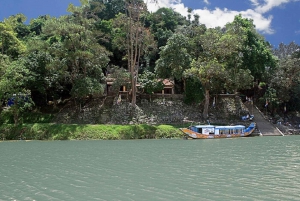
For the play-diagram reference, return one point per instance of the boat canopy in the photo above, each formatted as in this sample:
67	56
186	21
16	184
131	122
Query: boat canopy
204	126
231	127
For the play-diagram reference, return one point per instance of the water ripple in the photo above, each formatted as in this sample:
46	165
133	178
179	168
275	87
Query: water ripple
258	168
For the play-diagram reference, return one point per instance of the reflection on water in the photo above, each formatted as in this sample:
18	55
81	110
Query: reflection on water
257	168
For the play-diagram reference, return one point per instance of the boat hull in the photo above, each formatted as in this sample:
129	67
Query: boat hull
195	135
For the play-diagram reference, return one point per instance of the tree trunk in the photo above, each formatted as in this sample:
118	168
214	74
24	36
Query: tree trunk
133	89
206	104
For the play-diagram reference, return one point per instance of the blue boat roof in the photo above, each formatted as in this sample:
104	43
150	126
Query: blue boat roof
220	127
231	127
204	126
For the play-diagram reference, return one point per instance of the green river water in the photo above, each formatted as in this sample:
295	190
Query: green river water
254	168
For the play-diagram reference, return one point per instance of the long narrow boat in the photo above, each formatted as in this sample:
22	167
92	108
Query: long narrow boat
211	131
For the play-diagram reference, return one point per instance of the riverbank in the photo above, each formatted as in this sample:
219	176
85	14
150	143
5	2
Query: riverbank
50	131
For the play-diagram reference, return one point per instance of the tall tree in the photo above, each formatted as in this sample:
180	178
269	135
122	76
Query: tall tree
9	43
17	23
174	58
256	51
286	77
12	86
36	24
284	51
163	24
77	56
107	10
209	73
139	40
218	65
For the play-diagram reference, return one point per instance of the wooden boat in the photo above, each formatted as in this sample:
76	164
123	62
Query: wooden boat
211	131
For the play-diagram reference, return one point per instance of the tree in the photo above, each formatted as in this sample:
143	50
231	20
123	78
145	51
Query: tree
77	57
4	62
36	25
209	73
121	77
17	23
9	43
286	77
41	81
12	86
218	62
107	10
137	40
149	83
163	24
283	51
174	58
256	51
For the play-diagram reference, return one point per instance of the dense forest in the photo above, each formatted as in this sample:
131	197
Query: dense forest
70	57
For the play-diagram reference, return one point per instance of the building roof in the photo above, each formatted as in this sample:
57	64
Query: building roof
168	82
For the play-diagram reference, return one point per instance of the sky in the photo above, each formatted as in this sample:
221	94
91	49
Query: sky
277	20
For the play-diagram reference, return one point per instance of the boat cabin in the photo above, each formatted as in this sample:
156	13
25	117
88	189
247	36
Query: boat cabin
204	129
218	130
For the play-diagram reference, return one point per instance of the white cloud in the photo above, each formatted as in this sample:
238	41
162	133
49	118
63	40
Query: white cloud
219	17
206	1
255	2
263	6
269	5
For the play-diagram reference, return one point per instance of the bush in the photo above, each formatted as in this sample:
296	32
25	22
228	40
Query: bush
47	131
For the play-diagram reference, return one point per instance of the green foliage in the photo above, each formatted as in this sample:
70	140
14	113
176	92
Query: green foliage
286	77
17	23
107	9
167	131
37	24
163	24
6	117
193	92
45	131
164	18
86	86
210	75
256	51
174	58
162	36
120	77
284	51
28	117
77	57
12	85
4	63
194	33
54	57
9	43
271	97
149	83
262	84
294	103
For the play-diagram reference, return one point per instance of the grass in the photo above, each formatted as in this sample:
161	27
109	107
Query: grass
49	131
38	126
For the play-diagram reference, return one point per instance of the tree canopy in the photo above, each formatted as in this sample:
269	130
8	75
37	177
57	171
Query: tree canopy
71	55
